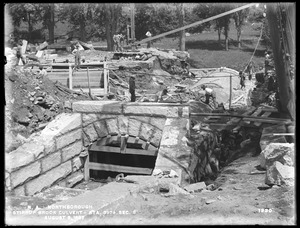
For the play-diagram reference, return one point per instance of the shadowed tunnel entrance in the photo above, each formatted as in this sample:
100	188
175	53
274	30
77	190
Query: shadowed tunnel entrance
115	154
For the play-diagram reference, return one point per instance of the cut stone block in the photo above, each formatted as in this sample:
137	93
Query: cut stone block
280	174
20	191
17	159
89	118
134	127
62	124
146	131
158	122
156	137
109	107
77	163
101	129
282	152
20	176
47	179
123	124
196	187
151	111
68	138
90	132
71	151
112	126
51	161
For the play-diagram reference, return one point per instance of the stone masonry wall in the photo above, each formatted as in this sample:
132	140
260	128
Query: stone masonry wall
49	157
54	155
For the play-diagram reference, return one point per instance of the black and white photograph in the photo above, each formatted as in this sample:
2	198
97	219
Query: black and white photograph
152	113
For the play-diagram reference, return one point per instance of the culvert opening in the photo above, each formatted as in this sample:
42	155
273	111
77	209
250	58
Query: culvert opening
115	154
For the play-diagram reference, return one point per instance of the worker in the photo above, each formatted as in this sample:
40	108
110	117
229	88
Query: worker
249	70
121	41
148	34
19	53
209	93
164	92
242	79
76	53
42	71
132	88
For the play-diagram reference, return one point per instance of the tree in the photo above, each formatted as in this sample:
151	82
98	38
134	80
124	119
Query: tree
223	22
79	16
239	20
24	12
180	12
48	19
112	14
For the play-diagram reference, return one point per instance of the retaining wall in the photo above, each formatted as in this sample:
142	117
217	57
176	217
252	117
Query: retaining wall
56	155
49	157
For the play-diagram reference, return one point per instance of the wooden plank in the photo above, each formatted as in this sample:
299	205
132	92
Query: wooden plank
110	149
86	168
269	120
266	114
70	77
39	54
24	46
119	168
255	114
196	23
237	120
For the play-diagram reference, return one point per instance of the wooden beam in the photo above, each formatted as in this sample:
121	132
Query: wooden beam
247	118
110	149
119	168
70	77
267	120
266	114
196	23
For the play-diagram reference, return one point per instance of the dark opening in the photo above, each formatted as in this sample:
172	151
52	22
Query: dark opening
99	153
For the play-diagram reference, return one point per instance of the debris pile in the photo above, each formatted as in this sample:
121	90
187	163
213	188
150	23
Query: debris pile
32	101
279	160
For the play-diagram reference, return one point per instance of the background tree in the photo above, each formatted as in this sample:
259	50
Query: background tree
80	17
112	14
24	12
239	20
180	13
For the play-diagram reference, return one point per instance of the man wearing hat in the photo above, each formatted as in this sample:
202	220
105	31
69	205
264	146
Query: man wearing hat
76	53
209	93
132	87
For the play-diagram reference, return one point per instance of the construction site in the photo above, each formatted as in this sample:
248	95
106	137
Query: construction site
149	133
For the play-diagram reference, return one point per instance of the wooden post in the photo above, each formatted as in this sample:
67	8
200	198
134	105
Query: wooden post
86	168
132	21
230	90
88	75
105	72
70	77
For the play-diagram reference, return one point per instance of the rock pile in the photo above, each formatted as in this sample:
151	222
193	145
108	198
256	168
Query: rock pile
279	160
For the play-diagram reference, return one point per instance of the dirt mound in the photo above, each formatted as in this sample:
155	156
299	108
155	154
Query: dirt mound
32	101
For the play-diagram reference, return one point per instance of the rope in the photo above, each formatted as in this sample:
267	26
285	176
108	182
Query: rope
261	32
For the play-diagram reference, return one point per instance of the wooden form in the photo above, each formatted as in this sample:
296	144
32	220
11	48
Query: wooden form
88	66
103	146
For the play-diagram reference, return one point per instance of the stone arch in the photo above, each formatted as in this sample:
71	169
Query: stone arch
144	128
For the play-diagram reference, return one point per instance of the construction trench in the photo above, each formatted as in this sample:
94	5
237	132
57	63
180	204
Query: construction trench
87	155
172	145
